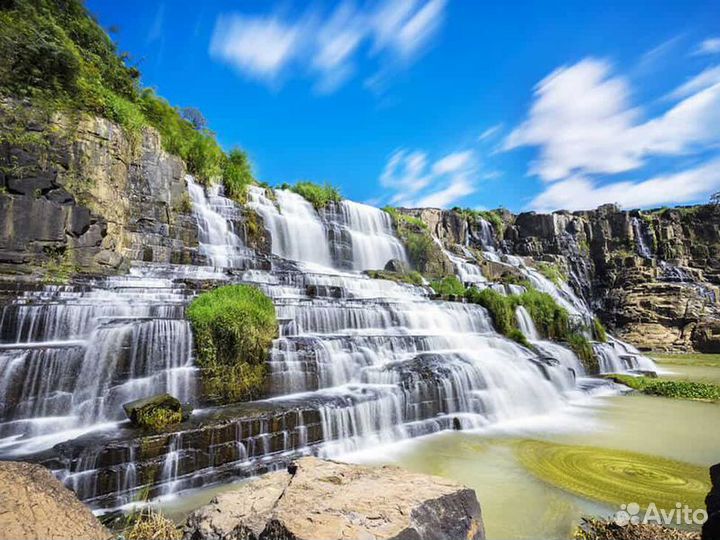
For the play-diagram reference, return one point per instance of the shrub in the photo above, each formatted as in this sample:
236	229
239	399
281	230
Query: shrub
551	320
448	286
500	307
151	525
237	175
233	327
671	389
317	195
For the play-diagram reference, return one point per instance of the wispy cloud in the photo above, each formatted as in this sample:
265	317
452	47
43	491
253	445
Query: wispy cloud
418	183
708	46
327	45
490	133
583	123
582	193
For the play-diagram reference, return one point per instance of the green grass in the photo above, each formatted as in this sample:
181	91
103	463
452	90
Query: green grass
319	195
448	286
670	389
491	216
599	332
551	320
233	328
56	56
551	271
500	307
584	351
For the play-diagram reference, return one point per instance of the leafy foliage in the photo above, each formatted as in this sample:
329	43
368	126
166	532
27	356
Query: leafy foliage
448	286
551	320
670	389
319	195
500	307
233	327
56	55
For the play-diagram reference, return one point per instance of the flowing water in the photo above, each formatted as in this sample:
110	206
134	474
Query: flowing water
359	362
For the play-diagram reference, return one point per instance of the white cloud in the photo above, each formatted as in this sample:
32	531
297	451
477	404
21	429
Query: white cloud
703	80
325	45
709	46
417	183
583	124
260	47
490	132
691	185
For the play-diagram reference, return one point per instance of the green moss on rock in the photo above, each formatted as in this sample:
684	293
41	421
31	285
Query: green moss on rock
155	413
233	327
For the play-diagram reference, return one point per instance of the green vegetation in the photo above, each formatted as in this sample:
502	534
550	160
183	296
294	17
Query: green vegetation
670	389
591	528
55	55
552	272
316	194
60	266
448	286
615	476
599	331
411	277
403	220
158	418
494	217
148	524
233	327
584	351
516	335
551	320
500	307
424	254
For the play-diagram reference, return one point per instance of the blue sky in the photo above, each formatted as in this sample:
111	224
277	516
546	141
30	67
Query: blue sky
526	105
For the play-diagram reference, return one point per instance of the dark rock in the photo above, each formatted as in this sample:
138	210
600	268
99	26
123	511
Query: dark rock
396	265
711	528
139	410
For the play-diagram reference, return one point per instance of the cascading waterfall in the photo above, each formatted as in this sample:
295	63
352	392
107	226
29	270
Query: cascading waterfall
359	362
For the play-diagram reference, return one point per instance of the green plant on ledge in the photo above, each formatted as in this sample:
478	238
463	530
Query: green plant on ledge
233	327
319	195
448	286
599	331
551	271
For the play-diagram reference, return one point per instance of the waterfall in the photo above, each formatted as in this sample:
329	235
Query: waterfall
526	324
643	242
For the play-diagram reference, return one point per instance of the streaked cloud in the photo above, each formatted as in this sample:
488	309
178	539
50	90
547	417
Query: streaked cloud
582	193
418	182
326	46
708	46
583	123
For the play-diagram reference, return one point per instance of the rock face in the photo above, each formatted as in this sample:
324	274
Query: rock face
35	505
711	528
79	194
653	276
329	500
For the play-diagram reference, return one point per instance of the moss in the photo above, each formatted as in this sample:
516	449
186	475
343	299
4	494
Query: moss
551	271
412	277
516	335
599	332
582	347
158	418
316	194
233	327
615	476
448	286
423	252
670	389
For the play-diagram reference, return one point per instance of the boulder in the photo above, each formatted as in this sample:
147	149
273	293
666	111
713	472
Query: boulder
34	504
156	412
396	265
318	499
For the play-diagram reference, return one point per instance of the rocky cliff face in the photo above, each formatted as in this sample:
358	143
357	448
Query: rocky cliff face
652	276
78	194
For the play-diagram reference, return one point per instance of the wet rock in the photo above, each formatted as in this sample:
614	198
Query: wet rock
330	500
143	412
396	265
36	505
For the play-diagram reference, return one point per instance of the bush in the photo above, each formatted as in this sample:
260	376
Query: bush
233	327
317	195
500	307
670	389
448	286
237	175
551	320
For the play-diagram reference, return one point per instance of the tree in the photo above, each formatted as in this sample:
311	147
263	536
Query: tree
715	199
195	117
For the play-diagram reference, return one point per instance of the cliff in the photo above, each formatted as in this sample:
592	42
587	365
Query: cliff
78	194
652	276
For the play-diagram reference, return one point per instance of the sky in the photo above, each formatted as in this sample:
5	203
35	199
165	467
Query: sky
517	104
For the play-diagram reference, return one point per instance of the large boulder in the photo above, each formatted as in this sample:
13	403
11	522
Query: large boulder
156	412
34	504
330	500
